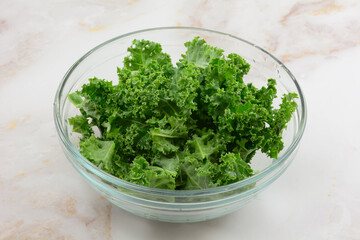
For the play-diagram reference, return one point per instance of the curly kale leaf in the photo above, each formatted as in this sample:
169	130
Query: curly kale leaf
205	145
196	174
170	164
144	174
81	125
232	169
98	151
144	53
199	53
166	137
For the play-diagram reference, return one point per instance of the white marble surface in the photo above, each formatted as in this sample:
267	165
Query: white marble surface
43	197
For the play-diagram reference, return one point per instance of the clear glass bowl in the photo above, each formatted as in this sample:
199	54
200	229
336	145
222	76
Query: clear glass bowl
178	205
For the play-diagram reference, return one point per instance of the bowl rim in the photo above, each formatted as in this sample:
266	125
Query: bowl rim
165	192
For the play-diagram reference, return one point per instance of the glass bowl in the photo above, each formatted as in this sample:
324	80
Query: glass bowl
178	205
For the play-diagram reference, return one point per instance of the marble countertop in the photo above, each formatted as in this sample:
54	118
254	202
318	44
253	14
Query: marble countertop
43	197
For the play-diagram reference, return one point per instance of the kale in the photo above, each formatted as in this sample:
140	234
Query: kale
191	126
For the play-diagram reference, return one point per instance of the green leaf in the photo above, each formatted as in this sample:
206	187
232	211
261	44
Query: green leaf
160	178
196	174
98	151
144	174
232	169
184	86
81	125
165	137
137	172
121	166
143	53
75	98
199	53
171	164
163	140
204	146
